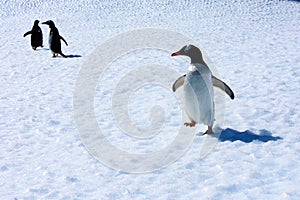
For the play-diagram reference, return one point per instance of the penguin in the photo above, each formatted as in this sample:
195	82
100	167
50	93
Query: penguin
198	89
54	39
36	35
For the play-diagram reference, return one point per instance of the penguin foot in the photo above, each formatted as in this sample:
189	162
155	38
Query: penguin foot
190	124
209	131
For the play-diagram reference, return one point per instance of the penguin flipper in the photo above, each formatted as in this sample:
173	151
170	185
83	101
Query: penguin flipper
63	40
27	33
223	86
216	82
178	83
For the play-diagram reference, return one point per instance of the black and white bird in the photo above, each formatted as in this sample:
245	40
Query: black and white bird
54	39
198	89
36	35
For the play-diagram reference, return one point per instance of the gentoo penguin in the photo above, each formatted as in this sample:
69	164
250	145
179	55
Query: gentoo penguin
198	89
54	39
36	35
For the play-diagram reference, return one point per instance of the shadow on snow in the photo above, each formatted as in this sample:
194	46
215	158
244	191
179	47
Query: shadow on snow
67	56
247	136
73	56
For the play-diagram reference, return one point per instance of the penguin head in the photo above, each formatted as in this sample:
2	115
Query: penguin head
50	23
191	51
187	50
36	22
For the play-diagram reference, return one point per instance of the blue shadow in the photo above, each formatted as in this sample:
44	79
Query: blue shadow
73	56
246	136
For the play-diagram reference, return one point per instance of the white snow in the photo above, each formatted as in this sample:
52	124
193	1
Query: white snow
255	48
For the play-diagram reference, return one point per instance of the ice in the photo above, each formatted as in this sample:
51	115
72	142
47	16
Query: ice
253	45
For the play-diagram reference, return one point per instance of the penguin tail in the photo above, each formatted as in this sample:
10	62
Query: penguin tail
63	55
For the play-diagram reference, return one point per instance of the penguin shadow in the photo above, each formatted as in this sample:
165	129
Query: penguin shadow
73	56
247	136
68	56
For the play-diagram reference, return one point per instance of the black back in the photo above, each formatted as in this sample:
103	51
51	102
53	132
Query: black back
36	35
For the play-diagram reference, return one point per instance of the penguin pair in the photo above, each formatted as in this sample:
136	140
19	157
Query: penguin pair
198	89
54	38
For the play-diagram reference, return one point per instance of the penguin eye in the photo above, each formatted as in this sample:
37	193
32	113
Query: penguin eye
187	48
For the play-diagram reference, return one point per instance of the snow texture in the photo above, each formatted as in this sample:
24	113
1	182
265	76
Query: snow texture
255	47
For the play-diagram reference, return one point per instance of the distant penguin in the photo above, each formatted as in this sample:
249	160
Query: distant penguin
198	89
54	39
36	35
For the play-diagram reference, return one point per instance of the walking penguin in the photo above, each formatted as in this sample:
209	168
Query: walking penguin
54	39
36	35
198	89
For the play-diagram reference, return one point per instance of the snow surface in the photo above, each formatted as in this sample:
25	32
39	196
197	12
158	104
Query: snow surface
254	46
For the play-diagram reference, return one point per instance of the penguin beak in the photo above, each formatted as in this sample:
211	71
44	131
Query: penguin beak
45	23
175	54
